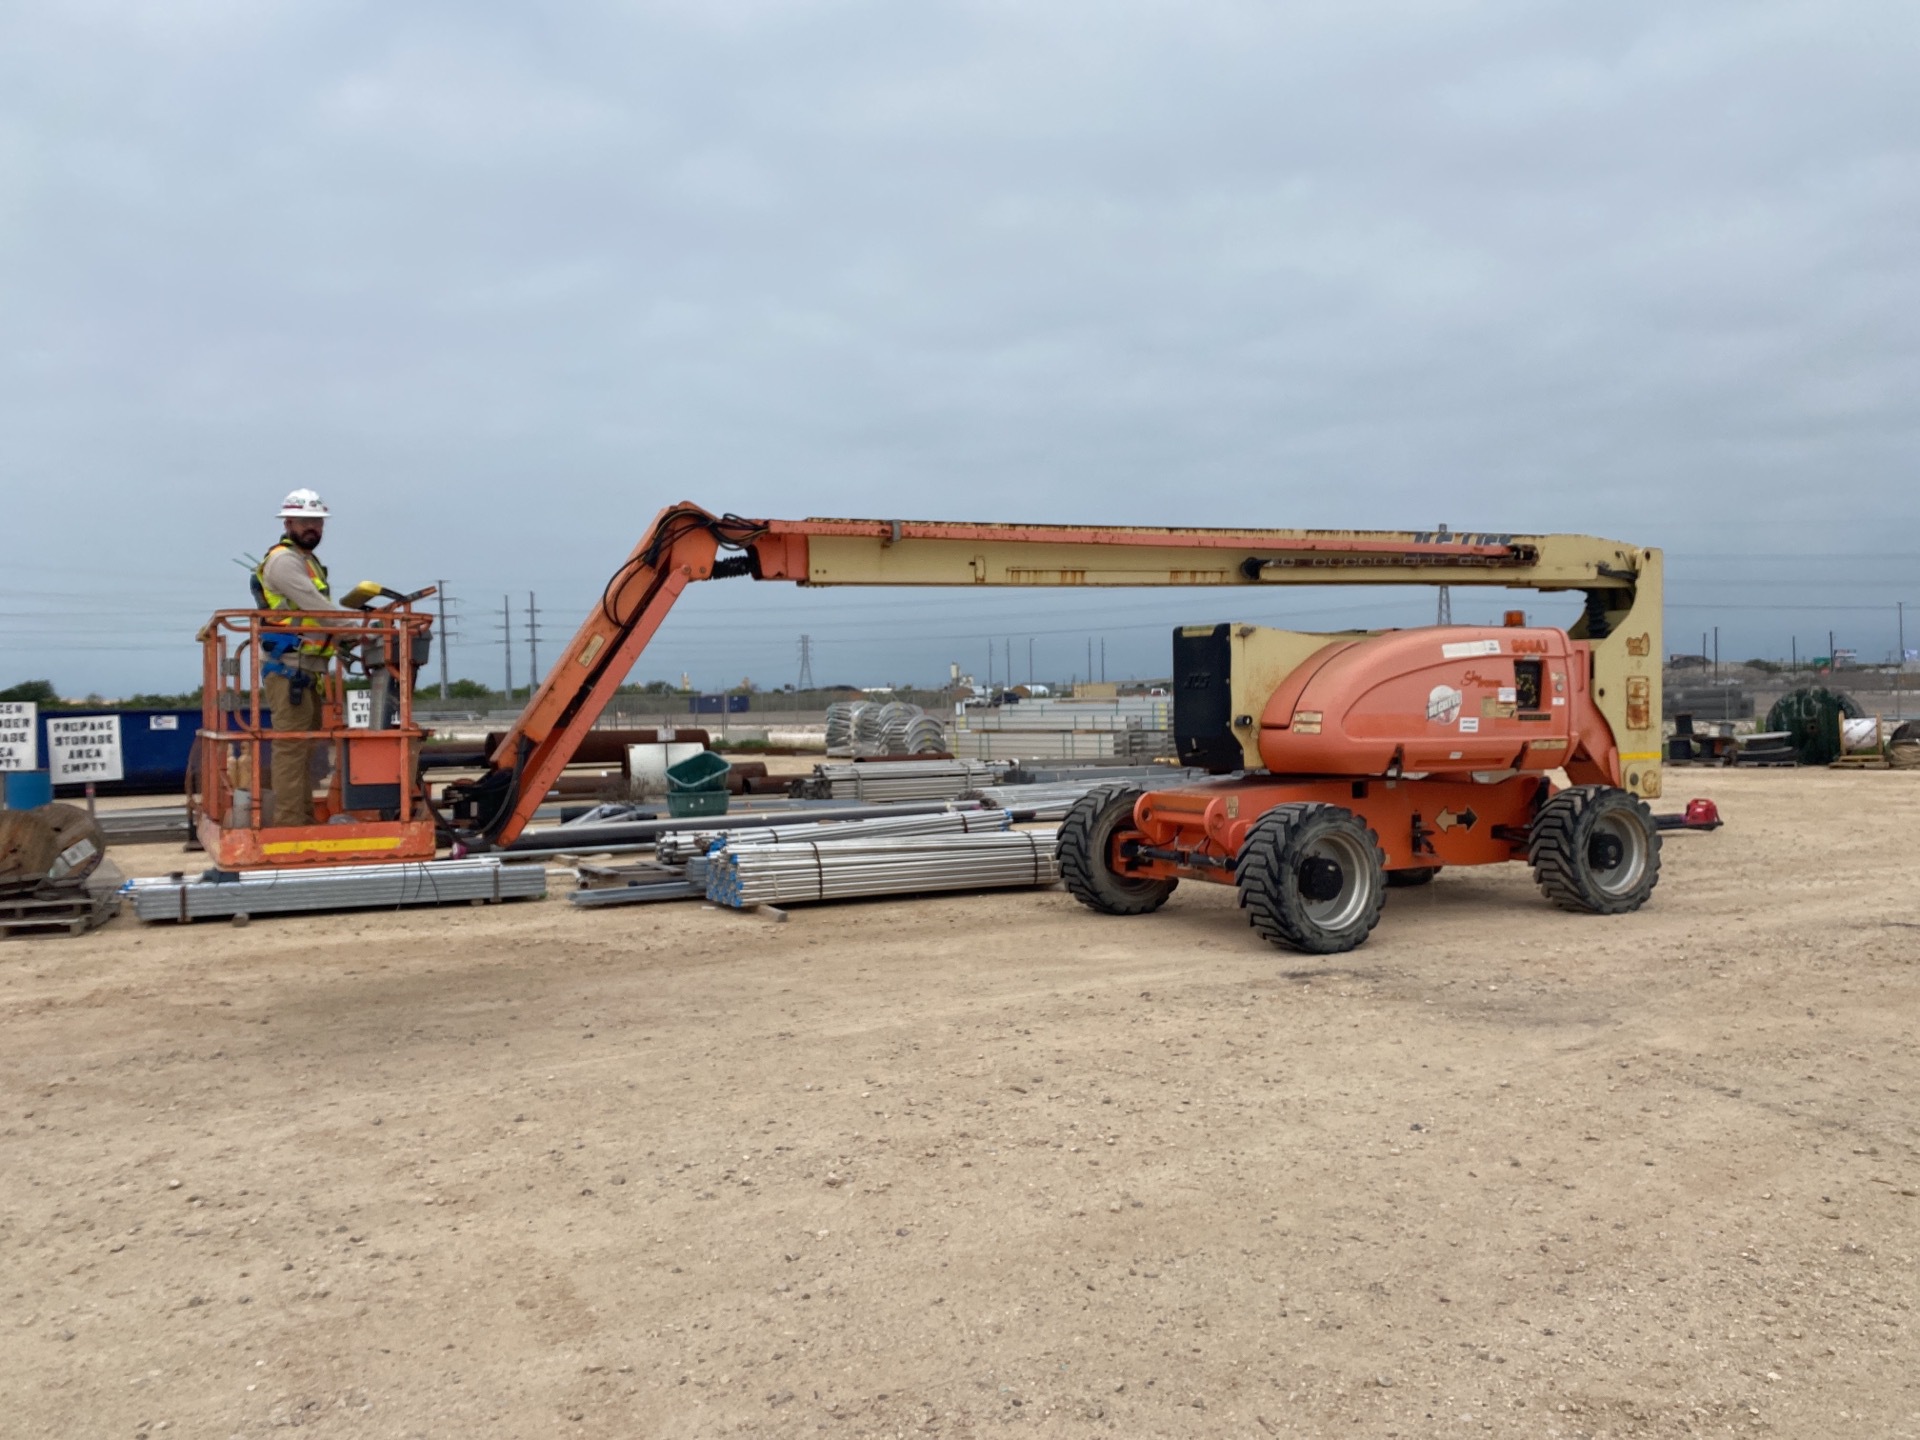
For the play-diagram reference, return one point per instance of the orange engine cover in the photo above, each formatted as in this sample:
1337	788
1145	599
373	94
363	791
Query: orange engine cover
1452	698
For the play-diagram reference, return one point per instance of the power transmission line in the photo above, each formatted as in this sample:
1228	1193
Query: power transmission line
506	638
805	682
440	588
533	645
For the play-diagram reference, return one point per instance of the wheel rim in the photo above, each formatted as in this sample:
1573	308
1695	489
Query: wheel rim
1105	838
1320	861
1617	853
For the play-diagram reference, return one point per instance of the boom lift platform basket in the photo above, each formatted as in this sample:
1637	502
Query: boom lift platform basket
374	810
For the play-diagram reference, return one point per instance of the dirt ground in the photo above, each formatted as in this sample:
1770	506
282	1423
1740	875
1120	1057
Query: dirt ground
994	1164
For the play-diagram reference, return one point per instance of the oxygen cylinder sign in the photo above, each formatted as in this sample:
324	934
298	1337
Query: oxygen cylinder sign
19	735
84	747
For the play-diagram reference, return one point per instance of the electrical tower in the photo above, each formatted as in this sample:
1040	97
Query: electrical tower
805	682
533	645
446	635
505	638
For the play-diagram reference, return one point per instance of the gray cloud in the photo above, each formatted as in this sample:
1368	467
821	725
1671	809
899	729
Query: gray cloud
501	284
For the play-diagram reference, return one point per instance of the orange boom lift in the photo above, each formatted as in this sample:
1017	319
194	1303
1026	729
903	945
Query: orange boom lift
1347	762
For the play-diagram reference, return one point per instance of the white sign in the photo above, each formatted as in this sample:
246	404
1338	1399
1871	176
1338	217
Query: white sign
163	722
19	739
359	709
1468	649
83	747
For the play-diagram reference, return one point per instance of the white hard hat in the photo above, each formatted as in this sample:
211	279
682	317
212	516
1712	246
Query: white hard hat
303	505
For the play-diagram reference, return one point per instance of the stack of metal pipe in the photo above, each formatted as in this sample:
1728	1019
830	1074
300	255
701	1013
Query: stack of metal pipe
793	873
334	887
862	727
683	848
1036	802
900	780
909	730
840	727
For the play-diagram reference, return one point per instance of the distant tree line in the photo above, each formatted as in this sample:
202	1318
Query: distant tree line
42	693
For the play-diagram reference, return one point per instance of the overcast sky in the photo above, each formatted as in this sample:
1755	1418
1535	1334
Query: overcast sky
501	281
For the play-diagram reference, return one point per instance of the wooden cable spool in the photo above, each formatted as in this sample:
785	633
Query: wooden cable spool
52	847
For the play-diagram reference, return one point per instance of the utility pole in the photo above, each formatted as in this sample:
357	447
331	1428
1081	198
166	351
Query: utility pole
1716	654
1900	670
1029	662
1007	655
1103	657
441	600
1833	663
1089	659
989	670
533	645
506	638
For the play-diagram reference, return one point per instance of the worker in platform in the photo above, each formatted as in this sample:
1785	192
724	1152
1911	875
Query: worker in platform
291	578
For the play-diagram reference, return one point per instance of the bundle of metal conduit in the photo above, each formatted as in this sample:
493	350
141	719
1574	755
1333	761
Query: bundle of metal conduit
1036	802
893	728
678	849
790	874
334	887
899	780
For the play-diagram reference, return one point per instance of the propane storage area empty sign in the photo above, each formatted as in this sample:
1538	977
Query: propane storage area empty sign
84	747
19	735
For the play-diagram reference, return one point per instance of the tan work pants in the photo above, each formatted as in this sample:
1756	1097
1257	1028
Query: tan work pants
292	759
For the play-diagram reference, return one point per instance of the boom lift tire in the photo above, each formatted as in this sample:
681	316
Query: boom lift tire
1311	878
1595	851
1086	840
1407	879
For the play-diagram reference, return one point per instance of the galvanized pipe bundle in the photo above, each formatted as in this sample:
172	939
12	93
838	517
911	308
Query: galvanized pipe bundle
794	873
1089	745
894	728
840	727
336	887
1037	802
679	849
891	780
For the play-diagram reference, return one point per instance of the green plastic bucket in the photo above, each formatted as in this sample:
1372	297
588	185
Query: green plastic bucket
681	803
702	772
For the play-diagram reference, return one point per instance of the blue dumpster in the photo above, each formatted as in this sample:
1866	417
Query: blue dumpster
28	789
155	746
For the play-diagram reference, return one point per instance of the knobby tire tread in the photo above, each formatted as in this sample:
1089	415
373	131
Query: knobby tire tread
1556	848
1272	910
1082	854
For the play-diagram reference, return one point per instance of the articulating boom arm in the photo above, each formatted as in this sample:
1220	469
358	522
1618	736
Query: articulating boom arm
684	544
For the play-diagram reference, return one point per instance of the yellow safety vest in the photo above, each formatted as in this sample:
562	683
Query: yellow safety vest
274	601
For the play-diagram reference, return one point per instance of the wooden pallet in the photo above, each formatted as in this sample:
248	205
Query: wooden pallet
71	914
